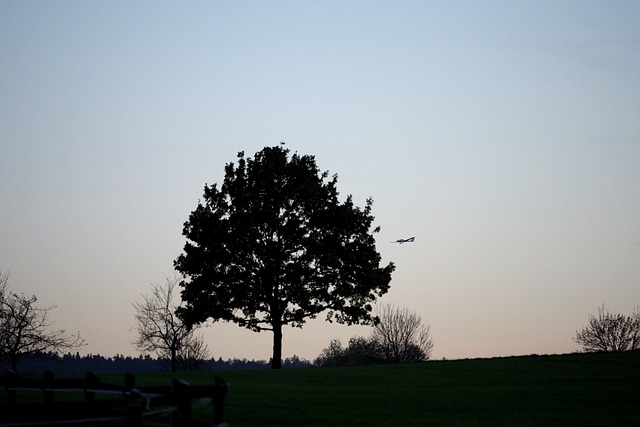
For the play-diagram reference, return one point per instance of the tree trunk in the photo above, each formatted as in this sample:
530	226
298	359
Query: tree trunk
174	360
276	359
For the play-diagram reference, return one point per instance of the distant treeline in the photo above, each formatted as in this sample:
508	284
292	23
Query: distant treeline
75	364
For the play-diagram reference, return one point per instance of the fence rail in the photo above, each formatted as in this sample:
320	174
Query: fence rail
105	403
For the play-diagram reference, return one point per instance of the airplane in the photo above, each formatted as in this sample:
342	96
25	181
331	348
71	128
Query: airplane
401	241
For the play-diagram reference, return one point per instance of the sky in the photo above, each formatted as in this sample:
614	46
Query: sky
504	136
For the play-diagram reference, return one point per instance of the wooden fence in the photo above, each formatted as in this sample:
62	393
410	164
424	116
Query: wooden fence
88	401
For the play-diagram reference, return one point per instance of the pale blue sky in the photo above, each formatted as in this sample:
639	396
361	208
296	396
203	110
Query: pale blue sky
504	135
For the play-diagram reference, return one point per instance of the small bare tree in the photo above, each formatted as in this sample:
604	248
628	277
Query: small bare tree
4	286
610	332
401	336
26	329
162	332
193	355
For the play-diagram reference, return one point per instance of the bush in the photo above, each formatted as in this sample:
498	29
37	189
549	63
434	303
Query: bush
360	351
397	337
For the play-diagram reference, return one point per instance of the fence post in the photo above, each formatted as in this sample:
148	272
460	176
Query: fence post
220	389
129	382
48	387
182	401
12	382
134	402
134	409
91	381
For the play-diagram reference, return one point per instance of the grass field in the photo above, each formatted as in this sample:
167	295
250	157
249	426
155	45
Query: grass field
565	390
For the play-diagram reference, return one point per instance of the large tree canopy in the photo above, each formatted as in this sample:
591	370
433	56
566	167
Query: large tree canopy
274	246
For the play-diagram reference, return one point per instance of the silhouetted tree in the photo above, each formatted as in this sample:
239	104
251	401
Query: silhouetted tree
4	329
610	332
274	246
193	354
26	328
161	331
332	355
398	337
362	351
401	336
359	351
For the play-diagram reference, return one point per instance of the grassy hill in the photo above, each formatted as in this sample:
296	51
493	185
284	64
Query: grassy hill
563	390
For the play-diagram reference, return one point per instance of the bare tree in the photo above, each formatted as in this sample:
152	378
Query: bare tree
4	286
401	336
4	280
193	354
610	332
26	328
162	332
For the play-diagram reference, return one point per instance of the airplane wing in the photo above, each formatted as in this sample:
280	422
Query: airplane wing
401	241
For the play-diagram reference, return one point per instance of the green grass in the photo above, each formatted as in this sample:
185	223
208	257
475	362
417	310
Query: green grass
567	390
